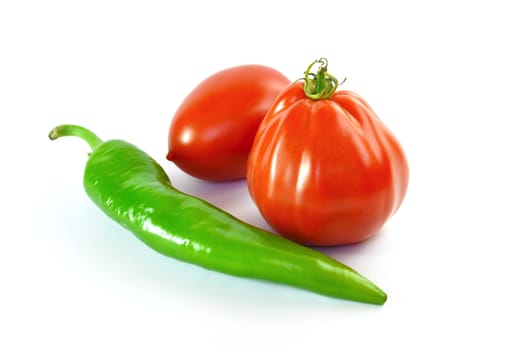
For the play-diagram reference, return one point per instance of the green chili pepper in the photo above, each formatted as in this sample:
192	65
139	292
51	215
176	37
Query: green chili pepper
133	189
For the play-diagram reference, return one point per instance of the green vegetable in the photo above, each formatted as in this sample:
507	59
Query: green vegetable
131	188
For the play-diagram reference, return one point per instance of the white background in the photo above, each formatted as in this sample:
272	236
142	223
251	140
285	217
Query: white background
448	77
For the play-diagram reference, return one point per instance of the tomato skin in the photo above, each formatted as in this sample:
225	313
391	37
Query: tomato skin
325	172
212	131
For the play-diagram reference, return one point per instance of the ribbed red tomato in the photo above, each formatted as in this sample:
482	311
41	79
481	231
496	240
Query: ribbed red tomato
324	169
213	129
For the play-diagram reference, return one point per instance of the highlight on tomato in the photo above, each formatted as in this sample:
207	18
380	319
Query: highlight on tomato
324	169
213	129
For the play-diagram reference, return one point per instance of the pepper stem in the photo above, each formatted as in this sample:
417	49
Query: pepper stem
321	85
75	130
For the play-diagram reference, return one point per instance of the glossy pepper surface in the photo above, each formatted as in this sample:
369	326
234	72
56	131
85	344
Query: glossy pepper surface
133	189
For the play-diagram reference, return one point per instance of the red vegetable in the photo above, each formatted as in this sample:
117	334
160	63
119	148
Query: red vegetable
324	170
212	131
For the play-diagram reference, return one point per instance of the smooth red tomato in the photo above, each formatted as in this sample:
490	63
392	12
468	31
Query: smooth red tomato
212	131
325	171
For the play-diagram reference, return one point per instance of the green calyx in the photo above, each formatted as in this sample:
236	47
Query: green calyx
320	85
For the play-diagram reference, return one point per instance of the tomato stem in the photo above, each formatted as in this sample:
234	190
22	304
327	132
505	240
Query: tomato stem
321	85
